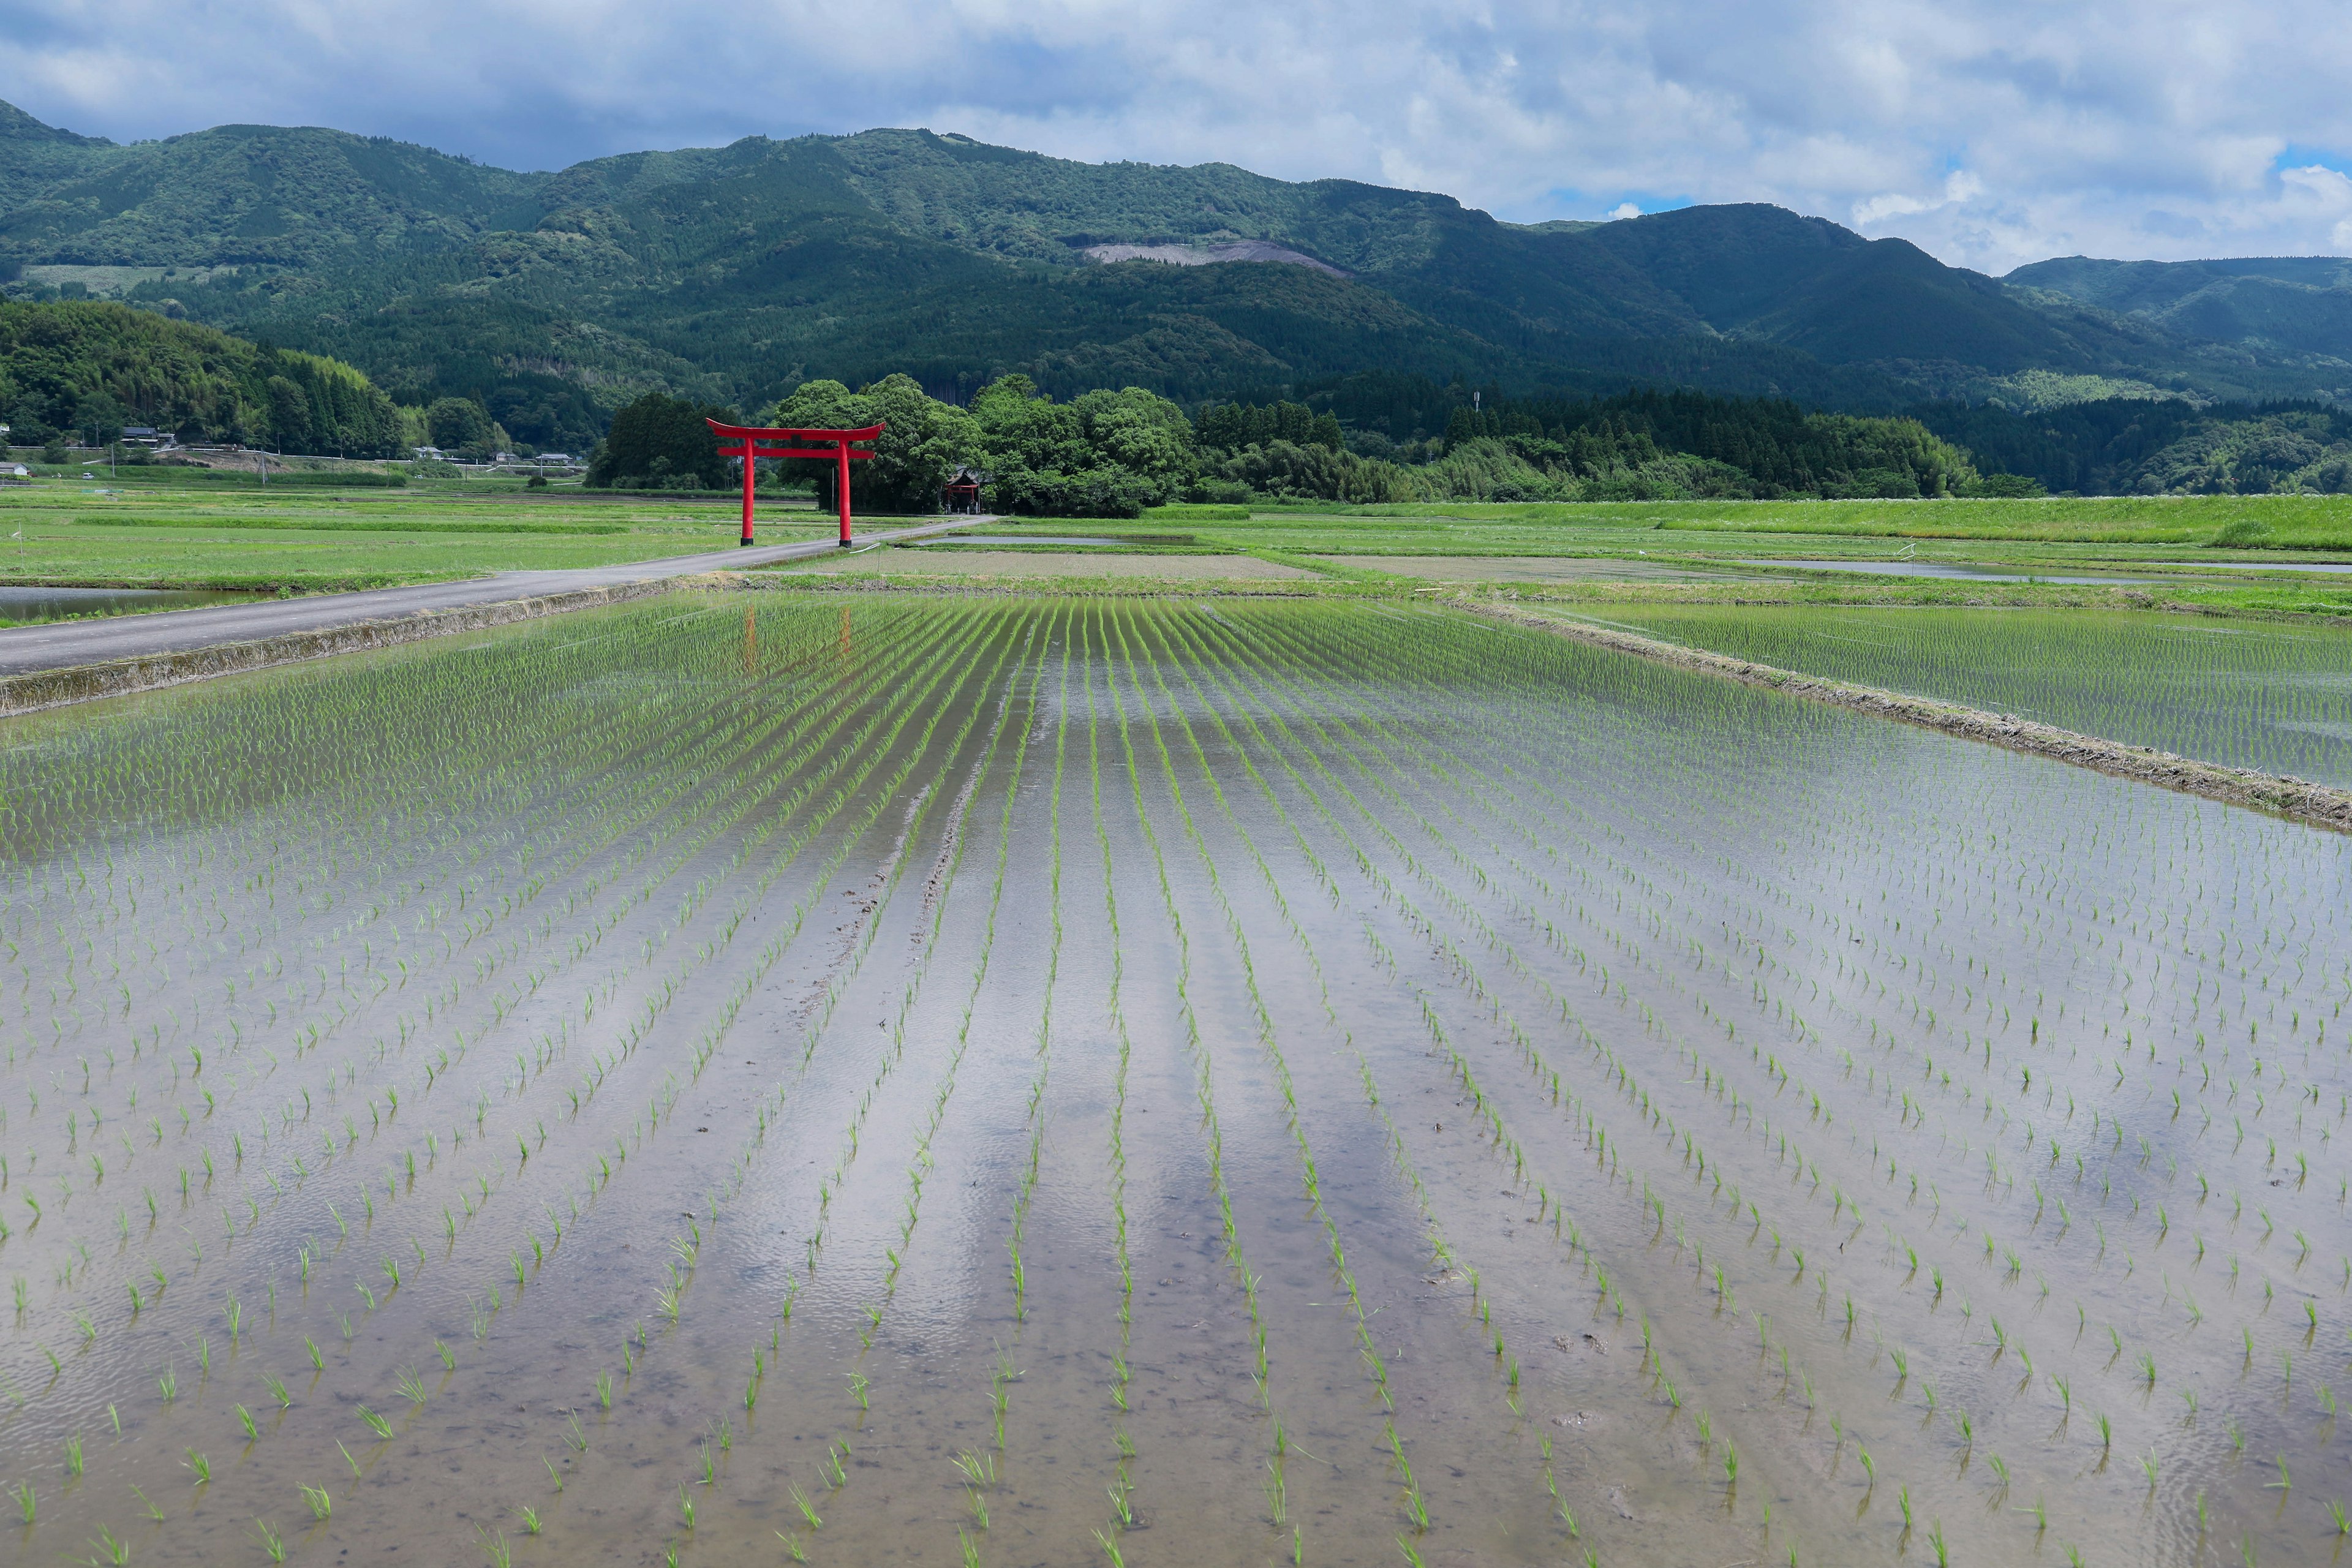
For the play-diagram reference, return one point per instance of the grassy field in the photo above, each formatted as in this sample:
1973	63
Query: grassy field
312	539
2279	523
1594	582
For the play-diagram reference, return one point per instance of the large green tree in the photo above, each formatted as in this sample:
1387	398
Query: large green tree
660	442
1102	454
923	444
460	425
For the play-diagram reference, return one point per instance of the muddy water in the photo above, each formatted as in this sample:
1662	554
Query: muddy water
1038	1082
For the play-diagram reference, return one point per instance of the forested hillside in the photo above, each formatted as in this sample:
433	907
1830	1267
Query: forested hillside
81	371
2293	307
2160	445
720	275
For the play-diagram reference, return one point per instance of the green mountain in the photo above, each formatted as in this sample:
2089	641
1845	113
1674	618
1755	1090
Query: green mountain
2282	306
730	275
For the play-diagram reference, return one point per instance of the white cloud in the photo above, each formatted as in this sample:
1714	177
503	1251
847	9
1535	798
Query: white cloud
1991	131
1959	187
1624	209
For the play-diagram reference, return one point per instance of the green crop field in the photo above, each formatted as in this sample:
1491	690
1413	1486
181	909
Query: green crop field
2055	530
314	540
311	538
854	1077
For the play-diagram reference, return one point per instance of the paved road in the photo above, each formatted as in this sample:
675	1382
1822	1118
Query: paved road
65	645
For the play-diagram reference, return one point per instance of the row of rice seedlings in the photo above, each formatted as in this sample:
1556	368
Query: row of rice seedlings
1506	1365
1122	1489
940	891
669	1299
559	1222
394	1100
1471	1087
1193	654
1508	1369
1029	1175
701	1054
1515	1028
1196	1046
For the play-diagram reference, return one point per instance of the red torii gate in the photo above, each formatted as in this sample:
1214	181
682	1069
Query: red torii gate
744	441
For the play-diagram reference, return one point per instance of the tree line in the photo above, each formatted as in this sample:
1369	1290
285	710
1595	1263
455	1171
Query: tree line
1100	454
1111	454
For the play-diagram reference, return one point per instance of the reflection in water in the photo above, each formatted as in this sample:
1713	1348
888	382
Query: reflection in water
1060	1080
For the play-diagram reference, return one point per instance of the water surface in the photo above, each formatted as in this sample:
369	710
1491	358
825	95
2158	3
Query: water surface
897	1078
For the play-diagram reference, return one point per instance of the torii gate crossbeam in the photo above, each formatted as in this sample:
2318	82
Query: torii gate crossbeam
744	441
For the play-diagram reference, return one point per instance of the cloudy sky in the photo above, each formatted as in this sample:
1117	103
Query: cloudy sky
1992	132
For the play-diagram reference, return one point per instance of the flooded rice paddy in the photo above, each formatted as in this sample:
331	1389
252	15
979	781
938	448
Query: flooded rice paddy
772	1077
2277	697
